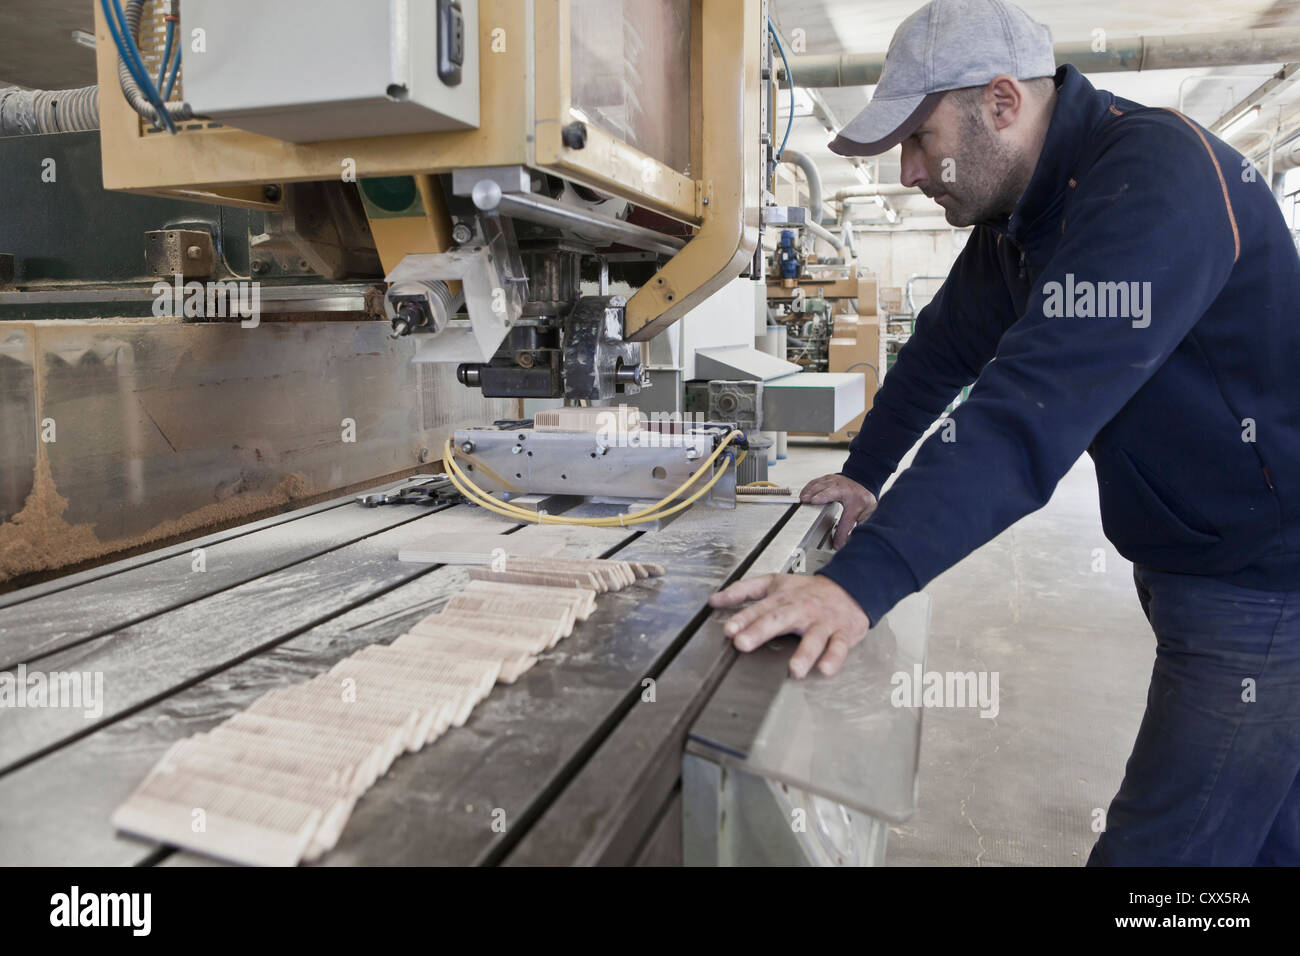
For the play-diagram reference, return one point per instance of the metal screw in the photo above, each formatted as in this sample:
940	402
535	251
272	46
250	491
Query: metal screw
193	252
462	233
271	193
467	447
516	449
692	454
260	265
705	200
424	455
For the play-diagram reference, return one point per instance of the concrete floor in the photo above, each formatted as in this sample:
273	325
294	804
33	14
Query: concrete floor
1073	654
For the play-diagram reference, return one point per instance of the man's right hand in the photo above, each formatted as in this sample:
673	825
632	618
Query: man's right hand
857	501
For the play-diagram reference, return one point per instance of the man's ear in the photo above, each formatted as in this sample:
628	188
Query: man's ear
1004	97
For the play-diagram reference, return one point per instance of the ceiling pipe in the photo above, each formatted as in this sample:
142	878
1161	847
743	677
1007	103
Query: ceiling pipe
821	232
854	193
1121	54
812	174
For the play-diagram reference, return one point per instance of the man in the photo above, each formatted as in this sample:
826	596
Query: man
1130	290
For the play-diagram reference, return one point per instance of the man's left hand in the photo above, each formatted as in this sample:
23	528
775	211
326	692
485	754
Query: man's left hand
828	621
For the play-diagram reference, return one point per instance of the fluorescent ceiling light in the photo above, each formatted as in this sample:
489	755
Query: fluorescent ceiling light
1240	123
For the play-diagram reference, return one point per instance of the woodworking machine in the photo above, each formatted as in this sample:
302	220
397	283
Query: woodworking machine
475	208
506	156
449	208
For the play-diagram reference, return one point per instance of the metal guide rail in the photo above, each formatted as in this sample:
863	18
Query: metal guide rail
170	643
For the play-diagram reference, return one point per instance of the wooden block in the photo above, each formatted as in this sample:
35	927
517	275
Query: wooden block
583	600
410	673
395	728
544	634
296	748
582	579
391	727
605	420
607	573
478	674
530	636
513	662
615	574
560	611
439	709
474	629
433	694
240	825
374	696
257	753
446	706
334	802
408	668
540	634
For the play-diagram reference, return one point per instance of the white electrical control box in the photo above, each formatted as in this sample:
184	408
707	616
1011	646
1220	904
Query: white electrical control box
312	70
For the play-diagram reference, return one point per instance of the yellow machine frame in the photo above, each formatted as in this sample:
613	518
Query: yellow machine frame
524	102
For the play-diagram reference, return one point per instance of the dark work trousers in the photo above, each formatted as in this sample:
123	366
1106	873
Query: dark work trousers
1214	777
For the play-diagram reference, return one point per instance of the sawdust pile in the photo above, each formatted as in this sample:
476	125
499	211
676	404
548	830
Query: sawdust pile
38	538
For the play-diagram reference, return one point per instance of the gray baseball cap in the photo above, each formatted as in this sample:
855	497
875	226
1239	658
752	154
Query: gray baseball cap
946	45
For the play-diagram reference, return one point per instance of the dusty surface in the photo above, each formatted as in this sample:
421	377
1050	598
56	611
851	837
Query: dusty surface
38	538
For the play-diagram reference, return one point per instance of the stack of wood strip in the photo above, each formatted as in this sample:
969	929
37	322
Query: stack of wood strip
606	419
275	784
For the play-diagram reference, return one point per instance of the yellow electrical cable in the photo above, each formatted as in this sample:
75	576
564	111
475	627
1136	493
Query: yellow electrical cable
760	484
651	513
449	453
493	505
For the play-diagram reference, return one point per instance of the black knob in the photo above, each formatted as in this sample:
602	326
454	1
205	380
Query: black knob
574	135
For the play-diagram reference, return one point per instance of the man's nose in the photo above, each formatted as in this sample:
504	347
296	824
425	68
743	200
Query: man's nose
912	168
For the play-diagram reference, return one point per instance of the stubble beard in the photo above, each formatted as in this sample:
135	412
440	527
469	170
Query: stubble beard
993	177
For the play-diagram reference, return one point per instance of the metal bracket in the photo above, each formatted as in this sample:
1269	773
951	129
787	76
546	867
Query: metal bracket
495	290
438	491
785	215
508	179
596	360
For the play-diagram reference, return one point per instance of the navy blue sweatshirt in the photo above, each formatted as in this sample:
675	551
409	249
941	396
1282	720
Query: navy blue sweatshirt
1187	395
